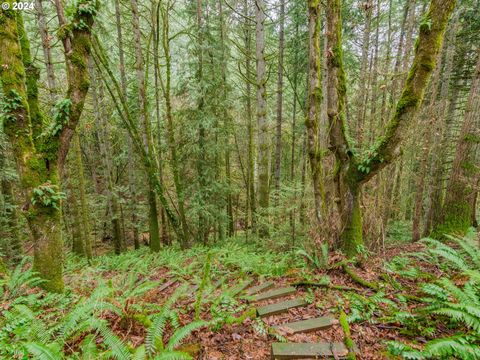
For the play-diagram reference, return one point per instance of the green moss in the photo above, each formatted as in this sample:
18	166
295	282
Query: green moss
351	238
347	339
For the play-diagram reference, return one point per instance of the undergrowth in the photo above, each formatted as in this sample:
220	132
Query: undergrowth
115	295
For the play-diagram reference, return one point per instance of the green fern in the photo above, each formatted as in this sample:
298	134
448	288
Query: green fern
180	334
44	352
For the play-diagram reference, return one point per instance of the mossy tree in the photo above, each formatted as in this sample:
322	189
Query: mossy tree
313	105
459	206
352	170
40	152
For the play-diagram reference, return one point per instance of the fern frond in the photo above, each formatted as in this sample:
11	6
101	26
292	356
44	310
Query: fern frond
460	316
44	352
182	333
118	349
452	347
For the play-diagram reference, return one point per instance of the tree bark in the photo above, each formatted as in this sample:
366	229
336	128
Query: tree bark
40	162
313	104
457	212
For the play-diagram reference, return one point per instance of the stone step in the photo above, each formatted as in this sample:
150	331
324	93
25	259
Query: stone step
262	287
309	325
285	351
237	289
275	293
280	307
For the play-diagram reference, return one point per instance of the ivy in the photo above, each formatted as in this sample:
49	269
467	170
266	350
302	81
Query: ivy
47	195
60	116
10	103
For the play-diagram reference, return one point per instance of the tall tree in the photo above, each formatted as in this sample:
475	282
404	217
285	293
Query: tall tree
458	208
278	138
313	104
353	170
154	229
41	159
262	122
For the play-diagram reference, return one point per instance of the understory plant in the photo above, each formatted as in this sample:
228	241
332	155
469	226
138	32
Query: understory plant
450	304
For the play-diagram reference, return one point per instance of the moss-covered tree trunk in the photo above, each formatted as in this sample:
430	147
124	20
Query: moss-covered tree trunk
84	217
458	208
351	170
313	106
41	158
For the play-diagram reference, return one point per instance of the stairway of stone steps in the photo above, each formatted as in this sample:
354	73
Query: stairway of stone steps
274	304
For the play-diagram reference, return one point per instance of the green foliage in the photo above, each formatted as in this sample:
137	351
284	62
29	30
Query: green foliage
446	302
364	309
154	343
318	261
47	195
60	117
14	285
203	284
8	105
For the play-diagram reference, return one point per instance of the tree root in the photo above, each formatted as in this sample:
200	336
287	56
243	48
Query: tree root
348	337
355	277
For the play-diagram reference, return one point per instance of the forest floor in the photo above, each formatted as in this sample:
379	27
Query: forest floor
141	282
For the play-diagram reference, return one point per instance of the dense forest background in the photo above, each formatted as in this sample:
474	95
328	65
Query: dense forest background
295	128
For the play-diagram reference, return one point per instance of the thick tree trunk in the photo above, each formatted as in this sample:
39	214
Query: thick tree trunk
313	106
39	165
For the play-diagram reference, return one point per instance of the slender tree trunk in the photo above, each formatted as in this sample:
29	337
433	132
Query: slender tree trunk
263	137
166	89
131	156
142	99
457	212
278	139
444	113
422	173
250	127
294	120
46	46
156	65
227	122
202	231
361	97
84	211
